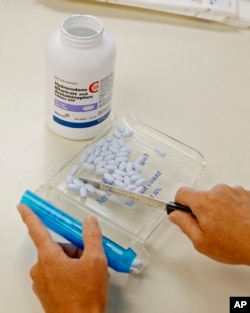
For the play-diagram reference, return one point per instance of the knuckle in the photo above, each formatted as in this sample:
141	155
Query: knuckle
33	271
216	194
241	192
240	188
93	236
183	224
220	188
100	258
97	258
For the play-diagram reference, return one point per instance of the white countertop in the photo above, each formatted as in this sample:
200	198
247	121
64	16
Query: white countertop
188	78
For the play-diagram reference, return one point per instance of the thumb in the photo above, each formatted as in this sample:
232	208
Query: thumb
187	223
92	235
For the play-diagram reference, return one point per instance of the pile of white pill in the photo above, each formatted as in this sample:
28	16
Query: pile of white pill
109	159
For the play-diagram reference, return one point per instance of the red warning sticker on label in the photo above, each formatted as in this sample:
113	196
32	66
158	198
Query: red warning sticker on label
94	87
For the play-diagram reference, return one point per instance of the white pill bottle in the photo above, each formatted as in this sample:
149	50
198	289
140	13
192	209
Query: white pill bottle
80	62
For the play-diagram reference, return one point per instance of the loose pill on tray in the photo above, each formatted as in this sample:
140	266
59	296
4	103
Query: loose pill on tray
160	151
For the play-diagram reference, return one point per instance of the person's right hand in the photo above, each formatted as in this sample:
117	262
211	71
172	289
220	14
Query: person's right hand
65	279
221	226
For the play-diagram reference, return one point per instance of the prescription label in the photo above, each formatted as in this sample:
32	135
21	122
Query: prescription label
82	104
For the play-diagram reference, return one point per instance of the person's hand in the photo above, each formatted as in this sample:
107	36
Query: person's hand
65	279
221	229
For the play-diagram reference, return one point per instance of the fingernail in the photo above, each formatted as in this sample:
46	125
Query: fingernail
90	220
173	217
19	207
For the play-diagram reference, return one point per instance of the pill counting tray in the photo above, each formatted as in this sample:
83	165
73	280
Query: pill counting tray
165	164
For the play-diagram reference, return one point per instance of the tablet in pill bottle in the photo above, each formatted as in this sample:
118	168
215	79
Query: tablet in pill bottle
80	62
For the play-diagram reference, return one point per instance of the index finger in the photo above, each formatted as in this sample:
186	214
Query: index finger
194	199
184	196
37	231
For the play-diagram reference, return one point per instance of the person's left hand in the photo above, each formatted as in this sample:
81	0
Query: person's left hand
65	279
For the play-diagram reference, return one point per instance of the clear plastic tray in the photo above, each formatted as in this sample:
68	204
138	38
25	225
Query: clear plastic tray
122	221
